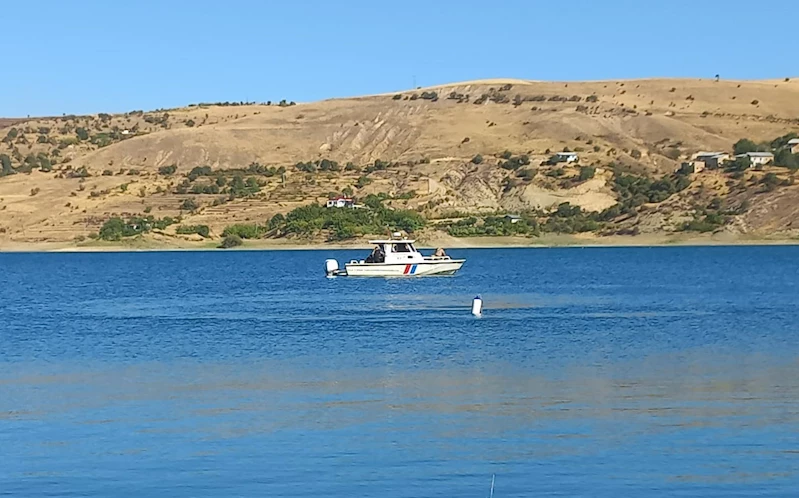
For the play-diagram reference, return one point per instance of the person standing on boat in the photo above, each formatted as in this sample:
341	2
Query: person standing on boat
377	256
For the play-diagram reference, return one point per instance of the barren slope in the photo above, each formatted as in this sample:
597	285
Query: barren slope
432	138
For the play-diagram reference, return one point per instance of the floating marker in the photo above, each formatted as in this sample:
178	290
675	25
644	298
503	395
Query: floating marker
477	306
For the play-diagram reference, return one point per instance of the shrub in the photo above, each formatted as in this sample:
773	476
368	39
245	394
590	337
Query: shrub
770	182
397	97
5	165
167	170
586	173
201	230
116	228
784	158
478	159
199	171
81	172
35	191
82	133
189	205
230	241
635	154
744	145
245	231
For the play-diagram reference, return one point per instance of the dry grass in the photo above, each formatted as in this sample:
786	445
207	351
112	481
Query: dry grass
642	115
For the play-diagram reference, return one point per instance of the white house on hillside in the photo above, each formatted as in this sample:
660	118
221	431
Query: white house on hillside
793	144
567	157
340	202
757	158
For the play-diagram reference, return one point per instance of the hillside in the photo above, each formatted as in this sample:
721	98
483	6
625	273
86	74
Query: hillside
228	163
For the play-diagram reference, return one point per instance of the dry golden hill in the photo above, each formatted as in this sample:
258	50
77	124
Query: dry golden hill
75	172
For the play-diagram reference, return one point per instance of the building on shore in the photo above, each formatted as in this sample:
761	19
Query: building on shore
341	202
712	160
757	158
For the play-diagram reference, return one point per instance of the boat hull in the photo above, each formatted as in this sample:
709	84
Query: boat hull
420	269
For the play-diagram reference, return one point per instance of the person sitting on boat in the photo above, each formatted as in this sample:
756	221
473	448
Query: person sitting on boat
440	253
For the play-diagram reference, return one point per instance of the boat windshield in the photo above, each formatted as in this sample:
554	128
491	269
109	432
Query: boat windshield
402	247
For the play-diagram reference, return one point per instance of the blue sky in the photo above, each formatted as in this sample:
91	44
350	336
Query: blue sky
115	56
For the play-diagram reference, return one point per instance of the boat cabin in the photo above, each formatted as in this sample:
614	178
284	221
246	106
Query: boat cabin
394	251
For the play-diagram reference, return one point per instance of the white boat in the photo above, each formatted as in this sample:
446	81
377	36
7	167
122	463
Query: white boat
396	257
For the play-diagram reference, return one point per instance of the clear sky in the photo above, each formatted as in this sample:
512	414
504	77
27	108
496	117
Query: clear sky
114	56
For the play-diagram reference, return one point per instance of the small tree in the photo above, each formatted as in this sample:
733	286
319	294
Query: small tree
82	133
167	170
785	159
230	241
586	173
477	159
5	165
744	146
189	205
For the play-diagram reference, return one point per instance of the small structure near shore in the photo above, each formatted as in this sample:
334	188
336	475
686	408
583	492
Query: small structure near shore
341	202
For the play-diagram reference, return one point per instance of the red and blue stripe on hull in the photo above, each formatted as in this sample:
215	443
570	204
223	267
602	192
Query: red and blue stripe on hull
409	270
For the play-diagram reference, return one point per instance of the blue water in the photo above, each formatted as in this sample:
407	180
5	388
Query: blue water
593	372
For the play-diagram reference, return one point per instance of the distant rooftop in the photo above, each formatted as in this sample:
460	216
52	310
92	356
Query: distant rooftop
756	154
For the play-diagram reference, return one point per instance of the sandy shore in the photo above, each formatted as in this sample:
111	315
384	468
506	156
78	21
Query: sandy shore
426	242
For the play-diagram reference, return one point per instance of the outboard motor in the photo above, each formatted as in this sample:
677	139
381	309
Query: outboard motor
331	267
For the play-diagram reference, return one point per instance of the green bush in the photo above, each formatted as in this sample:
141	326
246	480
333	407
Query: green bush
116	228
245	231
343	223
199	171
745	145
784	158
201	230
492	226
709	223
189	205
478	159
5	165
230	241
586	173
167	170
514	163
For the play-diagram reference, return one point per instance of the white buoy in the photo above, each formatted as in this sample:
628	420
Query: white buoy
477	306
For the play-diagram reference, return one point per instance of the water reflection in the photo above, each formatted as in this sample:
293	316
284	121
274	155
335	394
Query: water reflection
695	409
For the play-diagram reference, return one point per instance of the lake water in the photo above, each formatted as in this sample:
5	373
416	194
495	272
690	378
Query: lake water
593	372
